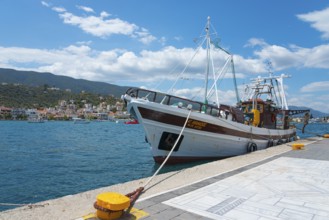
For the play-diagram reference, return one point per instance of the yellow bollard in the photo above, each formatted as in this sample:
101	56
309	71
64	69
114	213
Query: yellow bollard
297	146
110	205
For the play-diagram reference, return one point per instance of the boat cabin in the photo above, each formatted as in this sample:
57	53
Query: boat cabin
260	113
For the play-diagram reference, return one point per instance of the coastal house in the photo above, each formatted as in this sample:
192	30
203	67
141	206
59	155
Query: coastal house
18	113
5	112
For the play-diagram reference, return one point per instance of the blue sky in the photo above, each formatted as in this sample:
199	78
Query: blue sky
137	43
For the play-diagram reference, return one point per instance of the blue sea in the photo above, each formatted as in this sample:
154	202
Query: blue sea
41	161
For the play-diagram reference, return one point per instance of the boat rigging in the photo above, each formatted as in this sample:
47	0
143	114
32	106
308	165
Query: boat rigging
214	130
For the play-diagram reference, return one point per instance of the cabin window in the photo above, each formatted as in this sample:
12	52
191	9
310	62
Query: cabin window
168	140
247	108
214	112
260	108
133	113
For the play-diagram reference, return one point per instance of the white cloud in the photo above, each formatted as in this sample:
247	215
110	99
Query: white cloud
104	14
99	27
316	87
313	95
293	56
317	102
256	42
144	36
59	9
319	21
86	9
81	61
84	42
102	26
45	3
111	65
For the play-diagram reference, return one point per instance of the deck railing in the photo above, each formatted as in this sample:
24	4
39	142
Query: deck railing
167	99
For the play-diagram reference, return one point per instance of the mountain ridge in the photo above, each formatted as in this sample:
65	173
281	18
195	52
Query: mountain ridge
314	113
32	78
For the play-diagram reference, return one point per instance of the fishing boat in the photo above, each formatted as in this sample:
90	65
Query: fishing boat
205	129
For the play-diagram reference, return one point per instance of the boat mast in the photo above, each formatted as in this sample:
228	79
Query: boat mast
234	80
208	60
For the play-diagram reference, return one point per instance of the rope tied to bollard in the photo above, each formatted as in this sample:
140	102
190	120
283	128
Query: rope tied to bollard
135	195
29	205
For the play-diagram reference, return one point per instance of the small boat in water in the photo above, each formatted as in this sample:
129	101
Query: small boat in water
131	122
35	120
80	121
207	128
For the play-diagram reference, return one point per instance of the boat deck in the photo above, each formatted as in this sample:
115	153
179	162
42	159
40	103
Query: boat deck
276	183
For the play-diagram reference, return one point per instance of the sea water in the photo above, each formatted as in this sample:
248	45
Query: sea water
41	161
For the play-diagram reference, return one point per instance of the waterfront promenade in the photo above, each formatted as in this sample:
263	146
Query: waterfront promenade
276	183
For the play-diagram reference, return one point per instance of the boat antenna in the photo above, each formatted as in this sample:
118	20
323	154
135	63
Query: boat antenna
269	68
282	94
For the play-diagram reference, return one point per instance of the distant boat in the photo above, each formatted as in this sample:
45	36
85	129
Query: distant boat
80	121
315	120
213	130
35	120
112	119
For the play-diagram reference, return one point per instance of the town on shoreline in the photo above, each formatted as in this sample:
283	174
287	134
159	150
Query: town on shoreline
66	111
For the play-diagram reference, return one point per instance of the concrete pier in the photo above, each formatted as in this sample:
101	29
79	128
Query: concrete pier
276	183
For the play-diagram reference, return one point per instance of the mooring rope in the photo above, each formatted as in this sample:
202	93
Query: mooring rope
172	149
135	195
30	205
13	204
308	132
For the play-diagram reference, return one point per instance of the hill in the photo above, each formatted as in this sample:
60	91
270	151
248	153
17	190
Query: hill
314	113
35	79
22	96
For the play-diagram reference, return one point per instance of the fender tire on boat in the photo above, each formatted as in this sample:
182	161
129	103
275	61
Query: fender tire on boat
270	143
251	147
280	141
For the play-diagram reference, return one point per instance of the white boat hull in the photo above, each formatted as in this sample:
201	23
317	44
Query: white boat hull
205	136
